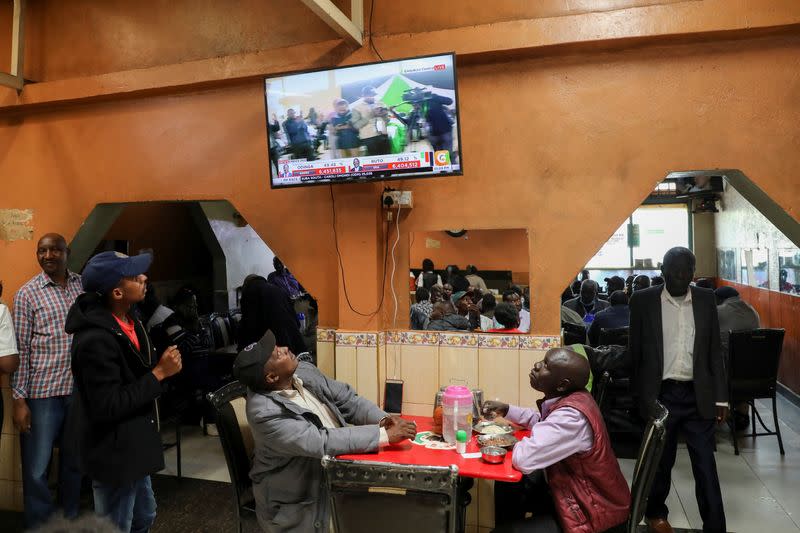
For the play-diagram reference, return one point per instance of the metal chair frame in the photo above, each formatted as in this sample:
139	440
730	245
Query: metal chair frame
242	488
392	478
646	464
771	391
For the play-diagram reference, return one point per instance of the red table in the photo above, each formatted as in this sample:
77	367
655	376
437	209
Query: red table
408	453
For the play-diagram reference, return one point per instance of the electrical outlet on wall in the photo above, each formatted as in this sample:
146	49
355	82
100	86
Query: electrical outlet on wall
391	199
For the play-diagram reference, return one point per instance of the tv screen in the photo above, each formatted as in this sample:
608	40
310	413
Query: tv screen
700	185
379	121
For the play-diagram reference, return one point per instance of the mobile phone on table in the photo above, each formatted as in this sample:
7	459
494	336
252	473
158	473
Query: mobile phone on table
393	396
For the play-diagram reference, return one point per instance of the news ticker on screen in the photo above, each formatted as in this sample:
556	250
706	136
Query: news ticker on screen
300	170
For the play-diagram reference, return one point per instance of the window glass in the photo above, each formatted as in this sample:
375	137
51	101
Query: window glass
615	252
755	268
660	228
726	263
789	270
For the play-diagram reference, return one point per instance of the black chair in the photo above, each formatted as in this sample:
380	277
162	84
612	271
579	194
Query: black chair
390	498
599	389
754	357
616	336
237	443
573	333
647	460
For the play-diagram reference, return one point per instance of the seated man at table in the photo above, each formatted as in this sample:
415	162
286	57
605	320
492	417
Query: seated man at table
298	415
569	441
445	318
507	317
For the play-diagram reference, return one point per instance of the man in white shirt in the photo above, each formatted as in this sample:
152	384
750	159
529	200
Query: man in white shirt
675	349
9	359
297	416
511	296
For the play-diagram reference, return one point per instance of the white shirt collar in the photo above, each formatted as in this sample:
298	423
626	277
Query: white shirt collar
297	388
667	297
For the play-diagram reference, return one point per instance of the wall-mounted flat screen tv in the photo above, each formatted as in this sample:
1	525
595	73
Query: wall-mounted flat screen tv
379	121
700	185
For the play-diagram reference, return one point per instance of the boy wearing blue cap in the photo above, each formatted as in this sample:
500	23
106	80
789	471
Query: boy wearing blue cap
114	425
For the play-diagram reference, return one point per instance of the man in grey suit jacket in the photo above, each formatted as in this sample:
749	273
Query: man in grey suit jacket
675	349
297	415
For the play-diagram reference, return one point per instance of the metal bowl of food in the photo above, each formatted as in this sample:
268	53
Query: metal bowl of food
506	441
493	454
489	427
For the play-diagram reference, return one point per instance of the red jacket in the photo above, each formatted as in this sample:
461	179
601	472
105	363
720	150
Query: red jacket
589	490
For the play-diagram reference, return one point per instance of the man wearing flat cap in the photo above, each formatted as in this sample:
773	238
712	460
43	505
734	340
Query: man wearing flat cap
298	415
114	423
369	118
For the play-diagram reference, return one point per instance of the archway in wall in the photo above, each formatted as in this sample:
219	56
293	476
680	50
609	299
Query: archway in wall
739	235
208	246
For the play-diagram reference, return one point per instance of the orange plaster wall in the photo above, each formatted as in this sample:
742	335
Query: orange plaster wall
416	15
6	11
84	37
500	249
566	147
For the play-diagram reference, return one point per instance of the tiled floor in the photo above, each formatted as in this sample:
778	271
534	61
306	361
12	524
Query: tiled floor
201	456
760	488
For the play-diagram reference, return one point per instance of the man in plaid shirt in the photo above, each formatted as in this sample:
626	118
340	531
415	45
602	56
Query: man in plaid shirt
42	386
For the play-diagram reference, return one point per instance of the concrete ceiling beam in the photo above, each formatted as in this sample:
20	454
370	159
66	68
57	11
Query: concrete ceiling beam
351	30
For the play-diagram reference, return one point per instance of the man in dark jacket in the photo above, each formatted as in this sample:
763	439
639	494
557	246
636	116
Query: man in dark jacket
445	318
587	302
616	316
114	424
675	350
267	307
299	138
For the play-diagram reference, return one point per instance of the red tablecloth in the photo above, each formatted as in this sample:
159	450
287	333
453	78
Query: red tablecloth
408	453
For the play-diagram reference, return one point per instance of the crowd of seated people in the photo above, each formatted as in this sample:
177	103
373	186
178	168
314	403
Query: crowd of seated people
582	304
459	302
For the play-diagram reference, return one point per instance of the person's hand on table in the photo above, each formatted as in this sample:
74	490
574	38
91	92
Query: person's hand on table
493	409
398	429
391	420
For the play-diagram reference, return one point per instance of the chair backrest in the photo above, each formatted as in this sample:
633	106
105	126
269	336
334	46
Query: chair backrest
646	464
399	498
573	333
616	336
234	434
600	387
753	359
222	330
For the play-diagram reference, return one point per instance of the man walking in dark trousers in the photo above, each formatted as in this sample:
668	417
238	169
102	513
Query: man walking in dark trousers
675	348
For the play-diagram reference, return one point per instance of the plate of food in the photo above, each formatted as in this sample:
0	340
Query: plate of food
491	427
501	440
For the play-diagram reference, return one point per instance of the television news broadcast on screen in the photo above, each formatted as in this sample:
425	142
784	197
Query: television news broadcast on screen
389	120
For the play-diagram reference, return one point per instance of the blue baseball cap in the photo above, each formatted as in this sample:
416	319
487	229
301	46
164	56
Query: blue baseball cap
104	271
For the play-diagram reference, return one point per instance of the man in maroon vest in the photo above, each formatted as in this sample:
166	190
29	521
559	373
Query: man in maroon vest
569	441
